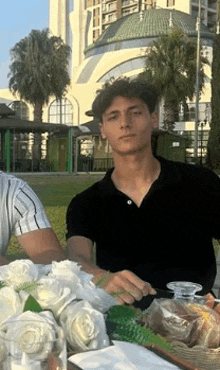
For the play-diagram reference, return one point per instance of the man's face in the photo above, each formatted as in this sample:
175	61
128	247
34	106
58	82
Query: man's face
127	124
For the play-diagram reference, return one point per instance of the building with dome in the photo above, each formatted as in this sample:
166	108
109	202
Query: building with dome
119	51
104	12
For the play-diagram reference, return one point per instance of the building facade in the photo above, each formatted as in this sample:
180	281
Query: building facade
120	50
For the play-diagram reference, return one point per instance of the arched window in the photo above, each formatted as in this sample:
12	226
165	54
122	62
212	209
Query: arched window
61	112
21	109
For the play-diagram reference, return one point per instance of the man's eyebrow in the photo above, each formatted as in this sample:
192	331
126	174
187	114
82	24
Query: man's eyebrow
134	107
117	111
111	112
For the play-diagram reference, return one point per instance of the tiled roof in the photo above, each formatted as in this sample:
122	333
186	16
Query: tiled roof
150	23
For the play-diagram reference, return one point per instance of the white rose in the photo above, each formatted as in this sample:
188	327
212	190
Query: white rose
10	303
50	294
67	273
32	333
84	327
19	272
64	268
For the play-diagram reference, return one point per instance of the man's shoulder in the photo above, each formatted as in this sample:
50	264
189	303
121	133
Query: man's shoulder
195	173
91	191
7	178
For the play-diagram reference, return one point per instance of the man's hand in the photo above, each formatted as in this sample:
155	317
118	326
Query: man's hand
126	286
211	301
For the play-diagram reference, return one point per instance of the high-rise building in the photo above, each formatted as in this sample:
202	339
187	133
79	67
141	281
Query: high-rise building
107	11
104	12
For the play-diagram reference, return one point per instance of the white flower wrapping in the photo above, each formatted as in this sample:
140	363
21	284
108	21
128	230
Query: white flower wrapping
80	283
70	303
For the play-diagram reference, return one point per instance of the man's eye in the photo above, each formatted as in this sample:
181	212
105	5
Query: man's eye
112	118
137	113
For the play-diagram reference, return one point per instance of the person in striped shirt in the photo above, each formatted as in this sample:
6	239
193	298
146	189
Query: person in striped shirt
23	215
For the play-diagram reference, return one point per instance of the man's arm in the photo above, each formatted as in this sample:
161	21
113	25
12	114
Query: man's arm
129	286
42	246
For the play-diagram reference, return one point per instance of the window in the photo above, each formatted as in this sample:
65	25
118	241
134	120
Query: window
21	109
170	3
95	35
61	113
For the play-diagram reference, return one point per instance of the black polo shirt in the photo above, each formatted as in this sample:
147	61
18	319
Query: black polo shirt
167	238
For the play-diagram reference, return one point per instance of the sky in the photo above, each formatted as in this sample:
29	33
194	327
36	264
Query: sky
18	18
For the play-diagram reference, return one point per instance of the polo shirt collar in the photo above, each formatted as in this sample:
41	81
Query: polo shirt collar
170	176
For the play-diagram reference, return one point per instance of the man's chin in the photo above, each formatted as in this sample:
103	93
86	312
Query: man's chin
131	151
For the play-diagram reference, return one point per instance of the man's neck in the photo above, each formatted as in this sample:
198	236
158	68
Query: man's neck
134	175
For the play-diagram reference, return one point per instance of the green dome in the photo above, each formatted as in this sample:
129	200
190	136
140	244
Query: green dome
148	24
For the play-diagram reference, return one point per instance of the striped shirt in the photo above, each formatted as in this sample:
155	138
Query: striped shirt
20	210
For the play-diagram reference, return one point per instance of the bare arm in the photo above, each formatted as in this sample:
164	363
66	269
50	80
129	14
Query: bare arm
42	246
132	288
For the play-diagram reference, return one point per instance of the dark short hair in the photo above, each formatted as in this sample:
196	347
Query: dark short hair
127	88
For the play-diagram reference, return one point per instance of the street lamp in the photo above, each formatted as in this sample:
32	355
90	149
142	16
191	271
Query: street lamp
197	82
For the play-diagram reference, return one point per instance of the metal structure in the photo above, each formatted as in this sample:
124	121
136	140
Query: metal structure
197	83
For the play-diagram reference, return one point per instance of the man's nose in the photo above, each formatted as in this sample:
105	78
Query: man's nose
125	121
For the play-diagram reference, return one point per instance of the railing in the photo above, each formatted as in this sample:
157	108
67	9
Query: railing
129	3
94	164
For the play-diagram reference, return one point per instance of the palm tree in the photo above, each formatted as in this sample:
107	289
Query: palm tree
39	69
171	66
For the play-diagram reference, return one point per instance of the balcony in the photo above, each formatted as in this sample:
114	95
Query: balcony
106	8
109	20
127	3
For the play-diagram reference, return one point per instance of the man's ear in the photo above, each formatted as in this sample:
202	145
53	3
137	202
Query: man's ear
102	131
155	119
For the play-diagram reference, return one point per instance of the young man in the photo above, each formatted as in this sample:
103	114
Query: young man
152	220
22	214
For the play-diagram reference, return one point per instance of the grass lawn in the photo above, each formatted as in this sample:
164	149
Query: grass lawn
55	192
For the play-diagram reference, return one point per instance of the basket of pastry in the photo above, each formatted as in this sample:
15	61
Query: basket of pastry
192	328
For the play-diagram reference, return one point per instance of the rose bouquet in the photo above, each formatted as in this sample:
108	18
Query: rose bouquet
43	309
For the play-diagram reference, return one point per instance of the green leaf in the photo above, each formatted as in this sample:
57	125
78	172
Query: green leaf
121	324
101	282
32	305
28	287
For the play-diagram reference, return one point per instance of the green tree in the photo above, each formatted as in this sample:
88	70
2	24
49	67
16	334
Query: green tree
39	69
171	66
213	147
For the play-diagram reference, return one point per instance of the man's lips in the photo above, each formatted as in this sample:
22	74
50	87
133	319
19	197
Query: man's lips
126	136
